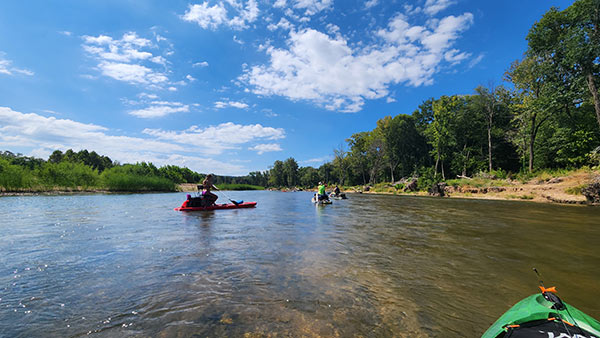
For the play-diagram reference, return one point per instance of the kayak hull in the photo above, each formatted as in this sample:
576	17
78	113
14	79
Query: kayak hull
316	201
536	309
219	207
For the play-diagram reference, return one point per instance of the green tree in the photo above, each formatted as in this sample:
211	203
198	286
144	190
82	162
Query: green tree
532	109
290	171
358	144
569	42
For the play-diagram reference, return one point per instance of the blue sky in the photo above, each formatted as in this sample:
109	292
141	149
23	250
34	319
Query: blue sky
231	86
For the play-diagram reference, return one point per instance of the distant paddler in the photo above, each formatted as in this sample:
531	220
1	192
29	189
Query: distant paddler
322	193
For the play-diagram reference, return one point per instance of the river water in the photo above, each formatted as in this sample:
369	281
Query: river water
372	265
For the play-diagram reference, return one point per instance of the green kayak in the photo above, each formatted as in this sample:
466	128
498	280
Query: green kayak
544	315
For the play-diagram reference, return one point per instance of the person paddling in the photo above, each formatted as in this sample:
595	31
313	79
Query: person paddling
208	196
322	193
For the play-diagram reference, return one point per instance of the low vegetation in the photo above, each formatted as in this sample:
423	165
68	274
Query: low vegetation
85	171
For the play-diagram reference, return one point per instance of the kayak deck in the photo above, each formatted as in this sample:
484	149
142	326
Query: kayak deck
536	314
219	206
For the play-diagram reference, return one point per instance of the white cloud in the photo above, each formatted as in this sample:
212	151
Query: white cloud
215	139
282	24
125	60
476	60
200	64
432	7
234	104
206	16
371	3
190	78
312	7
7	69
160	109
65	33
132	73
337	76
33	130
317	160
211	17
266	147
45	134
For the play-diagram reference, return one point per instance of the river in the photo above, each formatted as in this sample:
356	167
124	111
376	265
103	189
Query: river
372	265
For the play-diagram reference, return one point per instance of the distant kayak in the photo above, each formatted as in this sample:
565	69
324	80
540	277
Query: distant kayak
544	315
340	196
218	207
316	200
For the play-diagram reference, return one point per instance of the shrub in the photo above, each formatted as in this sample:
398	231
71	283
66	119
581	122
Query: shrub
124	179
68	174
14	177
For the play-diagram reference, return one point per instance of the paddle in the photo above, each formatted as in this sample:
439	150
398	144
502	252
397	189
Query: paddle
229	198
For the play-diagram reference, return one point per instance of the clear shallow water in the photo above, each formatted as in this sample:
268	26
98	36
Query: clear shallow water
130	266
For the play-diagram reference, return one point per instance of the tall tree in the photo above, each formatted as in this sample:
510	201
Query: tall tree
358	144
569	41
489	104
533	109
290	170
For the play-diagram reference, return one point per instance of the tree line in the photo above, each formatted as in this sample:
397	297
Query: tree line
546	117
87	170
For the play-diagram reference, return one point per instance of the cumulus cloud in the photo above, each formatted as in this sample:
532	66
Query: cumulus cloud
7	68
211	17
234	104
337	76
265	147
127	59
45	134
160	109
215	139
33	130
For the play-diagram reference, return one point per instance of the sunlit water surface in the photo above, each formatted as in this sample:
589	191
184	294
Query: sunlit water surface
131	266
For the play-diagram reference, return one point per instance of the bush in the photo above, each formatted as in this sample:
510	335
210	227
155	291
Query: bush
427	178
68	174
124	179
14	177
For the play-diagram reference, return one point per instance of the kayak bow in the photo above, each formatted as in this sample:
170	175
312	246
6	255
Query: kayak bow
544	315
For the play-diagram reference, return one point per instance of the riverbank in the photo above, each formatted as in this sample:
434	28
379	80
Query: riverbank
562	189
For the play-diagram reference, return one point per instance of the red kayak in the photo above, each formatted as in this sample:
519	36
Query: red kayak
218	206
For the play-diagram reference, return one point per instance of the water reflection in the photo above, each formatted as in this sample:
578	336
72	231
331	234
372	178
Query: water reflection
369	265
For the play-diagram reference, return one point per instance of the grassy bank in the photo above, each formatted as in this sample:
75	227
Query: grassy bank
78	177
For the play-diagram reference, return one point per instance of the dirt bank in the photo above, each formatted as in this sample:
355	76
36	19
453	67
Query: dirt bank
562	189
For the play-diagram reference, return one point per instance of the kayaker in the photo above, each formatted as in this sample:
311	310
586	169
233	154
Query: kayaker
336	191
208	196
322	194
